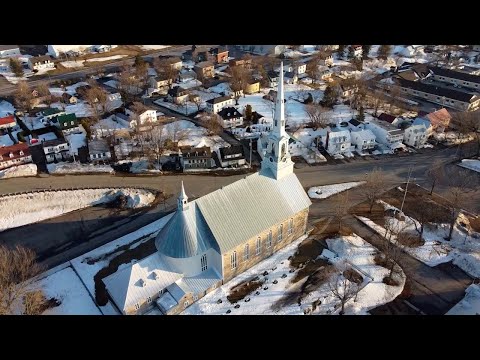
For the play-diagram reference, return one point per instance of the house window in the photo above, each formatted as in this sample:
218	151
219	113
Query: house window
203	262
280	233
137	306
233	260
195	297
246	253
149	299
269	239
258	248
185	304
290	226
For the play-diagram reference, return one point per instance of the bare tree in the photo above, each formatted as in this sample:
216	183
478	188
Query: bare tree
375	185
342	288
130	82
158	142
468	123
384	51
17	267
317	115
212	123
378	98
391	247
435	173
456	197
34	303
97	98
165	68
43	89
425	214
197	100
23	96
313	68
341	206
238	81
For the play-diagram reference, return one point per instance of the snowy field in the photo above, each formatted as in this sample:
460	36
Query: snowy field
323	192
75	141
71	89
100	257
73	64
470	304
47	136
19	171
6	108
18	210
107	126
463	250
471	164
154	47
107	58
77	168
351	249
187	109
5	140
66	287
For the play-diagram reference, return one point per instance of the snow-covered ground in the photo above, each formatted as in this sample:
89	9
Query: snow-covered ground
470	304
463	250
71	89
18	210
154	47
325	191
107	126
73	64
47	136
471	164
5	140
19	171
352	249
66	287
76	141
101	256
106	58
187	109
6	108
77	168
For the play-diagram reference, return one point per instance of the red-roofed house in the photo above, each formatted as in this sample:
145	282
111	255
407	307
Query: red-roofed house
7	122
14	155
439	119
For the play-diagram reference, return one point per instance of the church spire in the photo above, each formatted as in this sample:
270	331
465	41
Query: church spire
279	118
277	161
182	202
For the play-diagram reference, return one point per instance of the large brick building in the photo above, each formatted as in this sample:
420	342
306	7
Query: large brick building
210	240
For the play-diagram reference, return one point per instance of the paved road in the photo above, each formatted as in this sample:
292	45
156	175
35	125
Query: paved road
8	89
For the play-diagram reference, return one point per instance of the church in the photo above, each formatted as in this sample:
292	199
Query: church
210	240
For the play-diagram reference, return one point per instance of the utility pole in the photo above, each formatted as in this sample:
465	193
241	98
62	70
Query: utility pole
406	187
250	153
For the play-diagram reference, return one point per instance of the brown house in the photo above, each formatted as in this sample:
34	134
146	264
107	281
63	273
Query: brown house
204	70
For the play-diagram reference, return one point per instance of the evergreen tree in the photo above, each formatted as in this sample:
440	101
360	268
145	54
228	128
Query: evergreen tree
248	112
384	51
365	51
329	97
16	67
340	51
361	114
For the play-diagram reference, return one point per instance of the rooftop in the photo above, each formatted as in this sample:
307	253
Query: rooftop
219	99
455	74
439	91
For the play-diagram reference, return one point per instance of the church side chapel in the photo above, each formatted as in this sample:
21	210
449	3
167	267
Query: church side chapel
212	239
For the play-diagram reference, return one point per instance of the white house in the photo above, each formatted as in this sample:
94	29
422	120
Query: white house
357	50
17	154
416	135
41	63
56	149
99	150
232	156
337	141
298	69
386	133
9	50
231	117
216	104
57	50
146	117
363	140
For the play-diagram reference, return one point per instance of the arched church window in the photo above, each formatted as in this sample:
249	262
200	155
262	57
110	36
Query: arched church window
283	150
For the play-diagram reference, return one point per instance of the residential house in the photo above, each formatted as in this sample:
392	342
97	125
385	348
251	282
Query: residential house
326	59
160	83
69	99
99	151
357	50
290	77
146	116
175	62
272	78
216	104
204	70
439	119
457	78
43	62
263	49
451	98
387	118
297	69
50	113
196	54
9	51
416	135
355	125
386	133
231	117
324	72
178	95
337	141
252	87
348	90
68	123
196	158
220	55
7	122
17	154
186	76
232	156
246	63
103	48
363	140
58	50
272	95
56	150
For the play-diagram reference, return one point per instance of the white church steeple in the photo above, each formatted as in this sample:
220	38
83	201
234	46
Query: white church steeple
182	202
277	160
